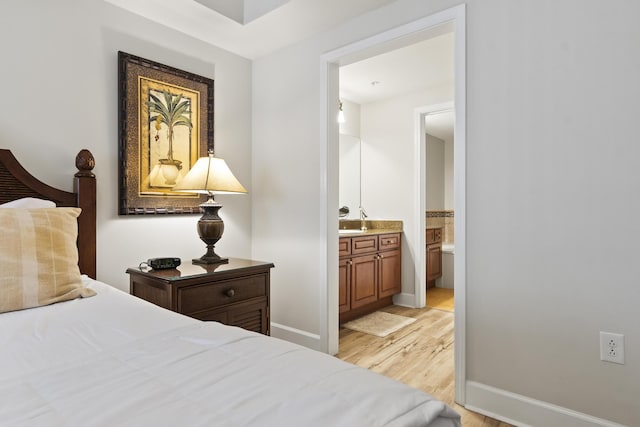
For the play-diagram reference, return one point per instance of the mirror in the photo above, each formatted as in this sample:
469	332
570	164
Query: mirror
349	170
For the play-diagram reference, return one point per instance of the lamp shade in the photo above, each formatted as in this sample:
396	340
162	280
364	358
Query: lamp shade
210	175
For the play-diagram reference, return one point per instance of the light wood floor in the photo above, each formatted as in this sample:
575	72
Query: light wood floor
420	355
441	298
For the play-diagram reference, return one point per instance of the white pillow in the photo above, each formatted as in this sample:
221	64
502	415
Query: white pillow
28	203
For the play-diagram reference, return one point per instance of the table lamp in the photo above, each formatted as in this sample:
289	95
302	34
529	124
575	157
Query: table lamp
210	175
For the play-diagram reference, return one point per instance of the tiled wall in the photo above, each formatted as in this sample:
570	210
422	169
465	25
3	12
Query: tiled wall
442	219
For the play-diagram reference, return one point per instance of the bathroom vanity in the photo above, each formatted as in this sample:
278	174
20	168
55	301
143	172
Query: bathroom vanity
370	267
434	255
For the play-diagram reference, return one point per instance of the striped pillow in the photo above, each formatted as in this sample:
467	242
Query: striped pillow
39	258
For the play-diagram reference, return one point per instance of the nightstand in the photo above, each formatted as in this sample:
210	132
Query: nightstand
235	293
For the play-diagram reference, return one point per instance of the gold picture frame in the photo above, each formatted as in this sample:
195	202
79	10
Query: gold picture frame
165	125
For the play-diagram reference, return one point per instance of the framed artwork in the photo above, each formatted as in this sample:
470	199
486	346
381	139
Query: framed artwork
165	125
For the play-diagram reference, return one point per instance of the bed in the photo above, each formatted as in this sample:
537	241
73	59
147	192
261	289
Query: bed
102	357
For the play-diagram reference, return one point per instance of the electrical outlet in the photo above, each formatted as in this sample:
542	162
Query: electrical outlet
612	347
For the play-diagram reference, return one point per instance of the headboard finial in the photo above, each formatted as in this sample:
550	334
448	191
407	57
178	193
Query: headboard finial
85	163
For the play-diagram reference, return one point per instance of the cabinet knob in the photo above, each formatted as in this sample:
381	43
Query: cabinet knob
230	293
349	262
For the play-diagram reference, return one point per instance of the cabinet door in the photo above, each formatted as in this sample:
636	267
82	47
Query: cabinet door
434	262
390	278
430	235
364	279
251	316
344	285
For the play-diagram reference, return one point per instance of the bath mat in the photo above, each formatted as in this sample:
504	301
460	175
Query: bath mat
379	323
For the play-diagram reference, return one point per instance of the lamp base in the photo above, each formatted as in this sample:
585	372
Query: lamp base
204	259
210	229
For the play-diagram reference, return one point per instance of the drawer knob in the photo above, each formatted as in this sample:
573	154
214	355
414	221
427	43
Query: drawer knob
230	293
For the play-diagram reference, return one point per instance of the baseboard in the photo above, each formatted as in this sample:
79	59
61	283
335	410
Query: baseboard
297	336
405	300
523	411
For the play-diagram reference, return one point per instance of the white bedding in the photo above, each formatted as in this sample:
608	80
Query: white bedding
115	360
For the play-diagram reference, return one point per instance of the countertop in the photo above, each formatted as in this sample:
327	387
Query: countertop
351	227
352	233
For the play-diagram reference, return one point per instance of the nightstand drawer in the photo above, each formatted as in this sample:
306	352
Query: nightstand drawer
203	297
251	315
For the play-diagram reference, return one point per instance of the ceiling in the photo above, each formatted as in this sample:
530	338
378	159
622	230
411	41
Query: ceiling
254	28
417	67
258	27
414	68
243	11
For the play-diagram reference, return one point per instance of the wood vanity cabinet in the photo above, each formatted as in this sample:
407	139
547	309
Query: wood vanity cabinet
434	255
369	273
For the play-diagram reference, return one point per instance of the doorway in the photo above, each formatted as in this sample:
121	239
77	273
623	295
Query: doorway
330	63
440	212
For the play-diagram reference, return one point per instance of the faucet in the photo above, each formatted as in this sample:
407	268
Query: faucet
363	215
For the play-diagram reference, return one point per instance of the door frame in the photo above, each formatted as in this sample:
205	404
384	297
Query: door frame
330	62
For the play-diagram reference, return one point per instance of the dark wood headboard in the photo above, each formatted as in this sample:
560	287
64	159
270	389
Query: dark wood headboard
16	183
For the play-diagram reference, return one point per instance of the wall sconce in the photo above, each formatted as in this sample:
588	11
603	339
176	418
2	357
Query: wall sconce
340	113
210	175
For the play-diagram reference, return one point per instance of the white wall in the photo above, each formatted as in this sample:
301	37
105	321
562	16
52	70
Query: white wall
561	76
448	175
60	82
551	208
435	151
351	125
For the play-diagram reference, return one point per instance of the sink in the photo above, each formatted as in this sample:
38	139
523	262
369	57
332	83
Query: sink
349	231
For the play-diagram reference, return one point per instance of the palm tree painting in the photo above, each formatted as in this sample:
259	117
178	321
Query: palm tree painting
167	111
165	123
